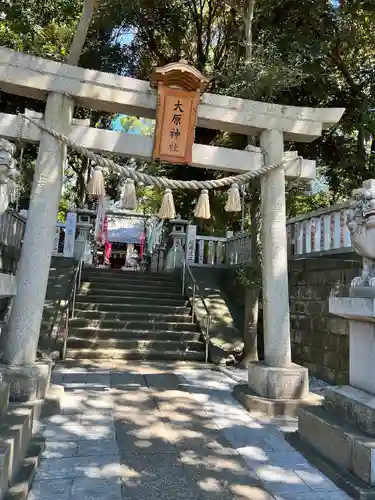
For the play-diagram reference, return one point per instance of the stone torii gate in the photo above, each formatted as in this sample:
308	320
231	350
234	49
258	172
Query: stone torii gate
64	86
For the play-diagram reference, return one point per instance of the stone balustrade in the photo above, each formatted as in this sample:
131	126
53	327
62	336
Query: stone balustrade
238	249
220	251
210	250
322	232
12	227
319	233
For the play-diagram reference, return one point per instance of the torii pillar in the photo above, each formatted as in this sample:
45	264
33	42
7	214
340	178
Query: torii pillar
277	344
276	386
26	315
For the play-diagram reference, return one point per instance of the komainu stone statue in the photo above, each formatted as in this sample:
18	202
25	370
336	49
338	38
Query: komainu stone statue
361	224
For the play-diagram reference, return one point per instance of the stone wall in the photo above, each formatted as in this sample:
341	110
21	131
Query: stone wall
319	340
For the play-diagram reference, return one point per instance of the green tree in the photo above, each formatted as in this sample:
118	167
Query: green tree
139	126
46	28
311	53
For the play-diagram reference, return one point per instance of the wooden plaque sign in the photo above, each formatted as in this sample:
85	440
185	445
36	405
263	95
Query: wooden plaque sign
176	116
179	89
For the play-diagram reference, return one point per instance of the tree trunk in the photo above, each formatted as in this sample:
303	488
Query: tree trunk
249	17
81	189
81	32
250	350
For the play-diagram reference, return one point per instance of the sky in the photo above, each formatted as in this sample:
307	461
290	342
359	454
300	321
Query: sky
123	39
116	124
126	38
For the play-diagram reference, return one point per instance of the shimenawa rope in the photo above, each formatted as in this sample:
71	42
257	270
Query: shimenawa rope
161	182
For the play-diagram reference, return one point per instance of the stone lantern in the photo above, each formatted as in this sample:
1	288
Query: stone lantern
176	254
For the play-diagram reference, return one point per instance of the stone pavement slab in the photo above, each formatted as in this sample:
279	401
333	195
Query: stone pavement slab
156	476
145	431
96	489
260	442
59	489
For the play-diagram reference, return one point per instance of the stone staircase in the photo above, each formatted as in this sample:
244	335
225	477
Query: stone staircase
21	441
132	315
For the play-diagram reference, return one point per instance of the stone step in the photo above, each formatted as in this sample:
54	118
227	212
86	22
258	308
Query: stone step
17	425
20	487
134	284
15	435
135	308
60	262
141	345
352	405
86	316
142	335
345	445
108	282
56	276
130	292
116	299
129	281
135	354
92	325
92	274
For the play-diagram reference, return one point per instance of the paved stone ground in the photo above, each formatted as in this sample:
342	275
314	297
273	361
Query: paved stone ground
147	431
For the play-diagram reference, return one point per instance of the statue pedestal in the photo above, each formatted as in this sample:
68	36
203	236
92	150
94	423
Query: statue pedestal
343	429
361	315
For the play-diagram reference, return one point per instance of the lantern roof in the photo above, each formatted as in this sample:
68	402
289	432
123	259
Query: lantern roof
181	75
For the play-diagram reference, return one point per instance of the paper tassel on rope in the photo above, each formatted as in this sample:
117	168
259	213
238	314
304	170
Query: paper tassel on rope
167	210
202	208
129	196
95	186
234	199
